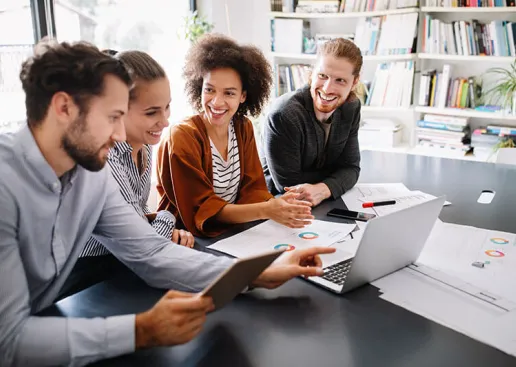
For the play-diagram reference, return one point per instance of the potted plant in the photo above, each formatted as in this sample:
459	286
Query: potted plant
195	26
503	92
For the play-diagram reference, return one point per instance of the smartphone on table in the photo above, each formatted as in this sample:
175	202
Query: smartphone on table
349	214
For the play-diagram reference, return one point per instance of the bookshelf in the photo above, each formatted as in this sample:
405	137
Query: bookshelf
421	55
311	57
358	14
464	58
466	112
386	109
462	10
462	66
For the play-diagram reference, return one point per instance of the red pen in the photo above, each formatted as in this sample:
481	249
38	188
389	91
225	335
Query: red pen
378	203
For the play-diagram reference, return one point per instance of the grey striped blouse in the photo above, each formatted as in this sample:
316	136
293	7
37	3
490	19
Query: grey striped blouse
135	189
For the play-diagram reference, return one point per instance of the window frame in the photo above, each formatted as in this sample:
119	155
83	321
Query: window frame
43	18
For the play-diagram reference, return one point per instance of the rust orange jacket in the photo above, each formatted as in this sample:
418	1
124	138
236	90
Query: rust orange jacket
185	175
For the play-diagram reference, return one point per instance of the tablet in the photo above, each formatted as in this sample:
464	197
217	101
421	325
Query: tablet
238	276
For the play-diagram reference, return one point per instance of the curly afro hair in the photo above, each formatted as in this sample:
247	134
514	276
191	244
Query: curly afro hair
214	51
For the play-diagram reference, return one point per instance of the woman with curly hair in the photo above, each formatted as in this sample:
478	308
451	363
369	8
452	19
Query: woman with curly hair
209	171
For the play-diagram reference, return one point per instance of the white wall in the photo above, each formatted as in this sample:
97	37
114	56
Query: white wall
247	21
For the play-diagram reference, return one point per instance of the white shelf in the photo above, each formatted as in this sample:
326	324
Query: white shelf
465	58
428	151
385	109
278	14
441	9
465	113
389	57
402	148
282	55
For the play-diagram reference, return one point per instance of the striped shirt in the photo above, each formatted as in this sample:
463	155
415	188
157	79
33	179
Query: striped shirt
135	189
226	173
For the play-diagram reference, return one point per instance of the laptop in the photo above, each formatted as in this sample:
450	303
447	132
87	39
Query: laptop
388	244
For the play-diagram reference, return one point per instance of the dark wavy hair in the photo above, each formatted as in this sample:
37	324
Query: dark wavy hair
214	51
77	69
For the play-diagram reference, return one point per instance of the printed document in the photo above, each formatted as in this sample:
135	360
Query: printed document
444	286
270	235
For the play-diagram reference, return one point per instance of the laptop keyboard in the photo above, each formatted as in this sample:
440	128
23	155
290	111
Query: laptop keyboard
337	273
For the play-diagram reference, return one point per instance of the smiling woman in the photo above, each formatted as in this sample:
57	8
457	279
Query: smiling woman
131	160
209	172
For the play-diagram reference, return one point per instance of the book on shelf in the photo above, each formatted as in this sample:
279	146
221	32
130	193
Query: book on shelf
496	38
387	35
439	89
352	6
487	137
392	85
443	132
290	77
317	6
470	3
277	5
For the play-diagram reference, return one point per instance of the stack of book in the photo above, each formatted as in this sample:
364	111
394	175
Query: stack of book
439	89
444	132
349	6
470	3
486	138
317	6
392	85
496	38
387	35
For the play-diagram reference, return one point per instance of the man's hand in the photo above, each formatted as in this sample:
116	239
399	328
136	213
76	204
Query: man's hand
289	211
183	238
312	193
292	264
176	319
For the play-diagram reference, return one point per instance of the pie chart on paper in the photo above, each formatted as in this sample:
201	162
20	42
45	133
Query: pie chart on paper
284	247
308	235
495	253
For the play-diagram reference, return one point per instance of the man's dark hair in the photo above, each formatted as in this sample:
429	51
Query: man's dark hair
213	51
77	69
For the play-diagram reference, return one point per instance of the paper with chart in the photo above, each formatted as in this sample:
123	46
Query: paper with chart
270	235
403	201
453	249
445	287
353	198
405	198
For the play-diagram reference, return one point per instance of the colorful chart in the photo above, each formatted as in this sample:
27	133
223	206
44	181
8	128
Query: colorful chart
308	235
495	253
285	247
499	241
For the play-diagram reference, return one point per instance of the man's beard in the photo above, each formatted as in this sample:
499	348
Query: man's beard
77	143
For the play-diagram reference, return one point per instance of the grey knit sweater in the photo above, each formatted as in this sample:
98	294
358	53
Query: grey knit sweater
293	150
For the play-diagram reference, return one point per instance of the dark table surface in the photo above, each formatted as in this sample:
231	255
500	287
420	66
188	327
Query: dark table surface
300	324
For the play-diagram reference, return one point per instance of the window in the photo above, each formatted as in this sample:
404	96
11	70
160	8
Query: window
16	42
152	26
